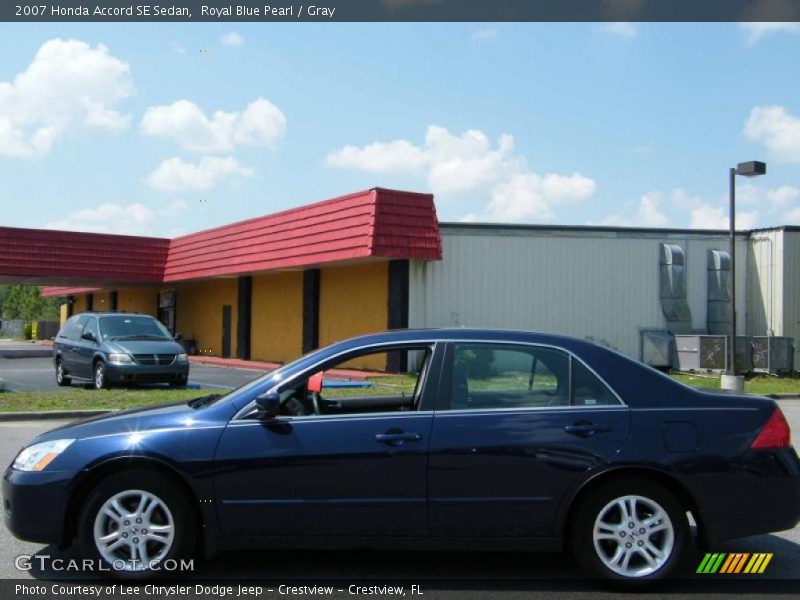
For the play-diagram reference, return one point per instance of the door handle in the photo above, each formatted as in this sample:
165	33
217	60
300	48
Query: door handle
586	429
396	438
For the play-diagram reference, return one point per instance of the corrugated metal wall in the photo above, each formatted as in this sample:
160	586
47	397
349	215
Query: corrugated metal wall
791	290
584	283
765	274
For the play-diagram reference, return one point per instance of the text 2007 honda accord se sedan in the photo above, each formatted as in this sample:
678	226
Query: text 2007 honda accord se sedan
420	439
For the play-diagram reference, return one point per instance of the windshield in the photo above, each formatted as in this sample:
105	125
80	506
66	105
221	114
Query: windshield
127	327
269	380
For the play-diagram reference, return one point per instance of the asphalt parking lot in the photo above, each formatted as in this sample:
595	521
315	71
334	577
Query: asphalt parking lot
38	374
456	574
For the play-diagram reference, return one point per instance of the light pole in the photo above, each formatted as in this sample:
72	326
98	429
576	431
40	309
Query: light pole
753	168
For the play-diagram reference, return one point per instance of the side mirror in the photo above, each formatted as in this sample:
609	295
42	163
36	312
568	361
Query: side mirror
269	405
178	337
88	336
315	383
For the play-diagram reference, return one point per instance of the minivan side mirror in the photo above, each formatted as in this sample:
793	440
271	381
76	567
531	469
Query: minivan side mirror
269	405
88	336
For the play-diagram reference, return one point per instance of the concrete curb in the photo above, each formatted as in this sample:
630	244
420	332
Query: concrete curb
784	396
52	414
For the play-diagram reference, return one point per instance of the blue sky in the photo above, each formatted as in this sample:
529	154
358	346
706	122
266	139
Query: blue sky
170	128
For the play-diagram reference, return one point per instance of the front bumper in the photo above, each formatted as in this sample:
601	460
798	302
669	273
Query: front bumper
35	504
175	373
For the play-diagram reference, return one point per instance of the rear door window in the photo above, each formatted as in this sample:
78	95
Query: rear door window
488	376
588	390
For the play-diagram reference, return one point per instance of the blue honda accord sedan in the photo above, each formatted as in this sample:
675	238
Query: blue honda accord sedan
437	439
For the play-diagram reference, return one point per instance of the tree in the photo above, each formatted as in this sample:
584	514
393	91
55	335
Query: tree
24	302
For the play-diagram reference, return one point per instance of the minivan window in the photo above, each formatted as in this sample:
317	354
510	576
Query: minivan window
130	327
91	327
73	327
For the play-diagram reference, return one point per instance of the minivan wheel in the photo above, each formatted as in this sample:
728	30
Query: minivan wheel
100	376
62	378
633	530
137	523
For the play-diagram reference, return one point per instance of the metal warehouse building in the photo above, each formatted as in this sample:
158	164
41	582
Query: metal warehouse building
276	286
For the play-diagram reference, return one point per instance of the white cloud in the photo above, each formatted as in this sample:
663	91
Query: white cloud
379	157
783	196
527	197
621	29
231	39
792	217
131	219
452	163
261	123
178	47
455	165
68	84
482	35
647	214
709	216
777	129
644	149
758	31
781	205
175	174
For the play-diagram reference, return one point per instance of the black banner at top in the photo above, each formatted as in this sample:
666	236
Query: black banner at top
398	10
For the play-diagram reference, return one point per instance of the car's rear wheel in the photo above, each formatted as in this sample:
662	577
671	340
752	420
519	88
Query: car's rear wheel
62	378
631	530
137	523
101	376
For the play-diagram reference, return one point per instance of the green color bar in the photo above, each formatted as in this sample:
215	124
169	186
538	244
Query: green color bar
701	568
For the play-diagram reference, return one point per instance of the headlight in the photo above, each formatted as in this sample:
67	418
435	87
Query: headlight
120	359
182	357
38	456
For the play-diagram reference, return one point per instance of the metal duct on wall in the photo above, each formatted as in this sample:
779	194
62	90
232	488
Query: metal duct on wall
719	295
672	285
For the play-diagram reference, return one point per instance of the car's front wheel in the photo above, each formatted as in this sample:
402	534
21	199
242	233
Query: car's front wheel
101	376
62	378
137	523
631	530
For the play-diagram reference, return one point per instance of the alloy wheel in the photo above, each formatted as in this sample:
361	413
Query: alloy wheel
99	376
633	536
133	530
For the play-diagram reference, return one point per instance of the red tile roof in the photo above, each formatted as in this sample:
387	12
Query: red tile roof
63	257
376	223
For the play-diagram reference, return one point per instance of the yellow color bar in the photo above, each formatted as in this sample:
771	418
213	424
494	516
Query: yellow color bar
765	563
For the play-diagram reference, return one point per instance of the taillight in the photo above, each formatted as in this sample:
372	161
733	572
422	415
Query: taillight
774	434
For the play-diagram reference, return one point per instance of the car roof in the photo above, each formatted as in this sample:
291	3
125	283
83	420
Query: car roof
468	334
113	313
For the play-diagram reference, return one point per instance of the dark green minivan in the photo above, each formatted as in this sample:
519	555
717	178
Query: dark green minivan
118	348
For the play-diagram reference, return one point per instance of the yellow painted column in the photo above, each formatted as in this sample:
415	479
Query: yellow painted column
276	328
353	301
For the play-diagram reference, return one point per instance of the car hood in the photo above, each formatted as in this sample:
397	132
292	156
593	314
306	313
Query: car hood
160	416
144	346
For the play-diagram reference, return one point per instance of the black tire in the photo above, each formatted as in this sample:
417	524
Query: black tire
101	376
168	492
588	511
62	378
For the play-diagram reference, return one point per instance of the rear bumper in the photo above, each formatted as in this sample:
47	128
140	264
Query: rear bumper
760	495
178	372
35	504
